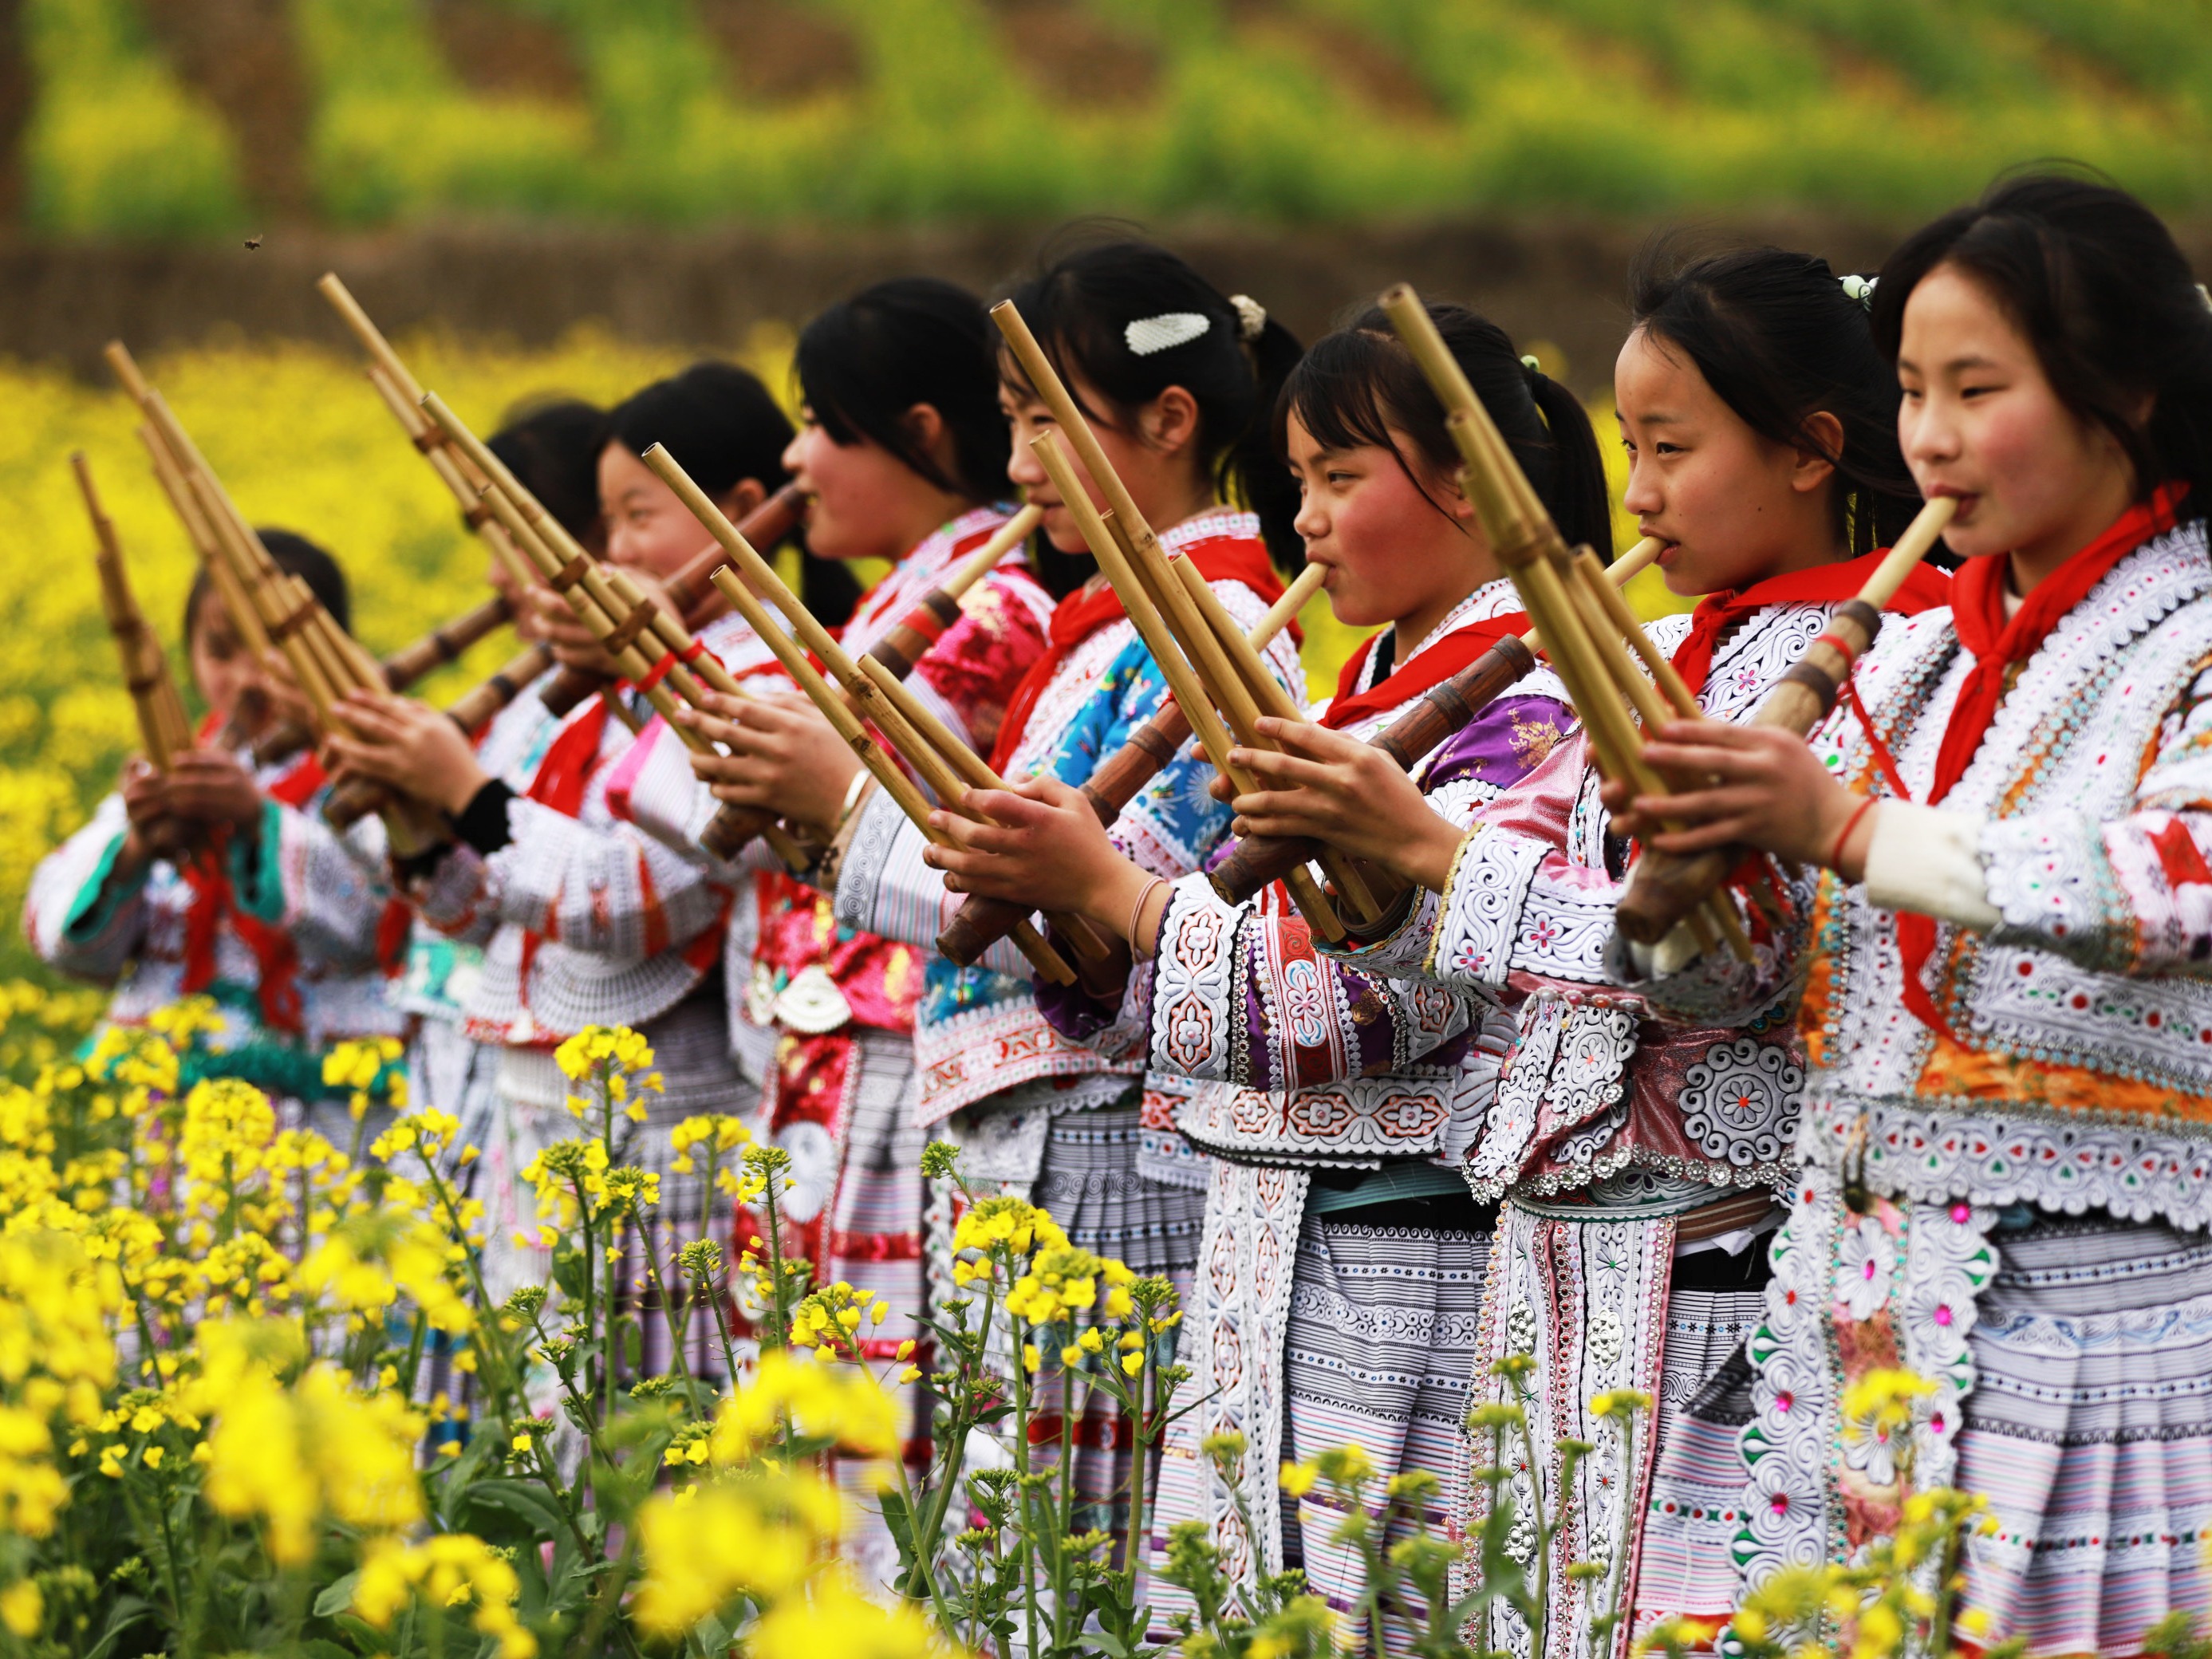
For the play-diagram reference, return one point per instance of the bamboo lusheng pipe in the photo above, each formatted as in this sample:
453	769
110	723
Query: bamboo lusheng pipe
695	597
356	797
1442	710
1185	677
1527	544
939	608
1183	680
1121	775
573	573
1663	887
1210	658
1270	698
950	767
1032	945
162	727
759	577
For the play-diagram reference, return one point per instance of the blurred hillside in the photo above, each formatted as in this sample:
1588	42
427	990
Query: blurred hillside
152	119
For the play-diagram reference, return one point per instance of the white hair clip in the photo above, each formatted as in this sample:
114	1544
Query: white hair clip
1860	289
1251	316
1170	328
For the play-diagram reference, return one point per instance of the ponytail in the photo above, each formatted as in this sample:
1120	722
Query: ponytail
1359	385
1226	352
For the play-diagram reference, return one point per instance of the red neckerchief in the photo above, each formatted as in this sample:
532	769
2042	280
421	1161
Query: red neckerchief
570	759
1080	615
275	958
1409	680
1824	584
1996	644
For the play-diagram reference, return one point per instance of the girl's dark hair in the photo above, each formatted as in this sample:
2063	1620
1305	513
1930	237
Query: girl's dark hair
553	445
1079	308
1779	341
295	556
864	362
1359	385
723	427
2093	278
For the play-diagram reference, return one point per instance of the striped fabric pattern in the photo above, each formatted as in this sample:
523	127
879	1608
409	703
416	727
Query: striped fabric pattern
2089	1430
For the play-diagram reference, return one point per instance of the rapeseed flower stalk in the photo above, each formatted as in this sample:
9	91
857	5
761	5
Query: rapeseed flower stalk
447	1571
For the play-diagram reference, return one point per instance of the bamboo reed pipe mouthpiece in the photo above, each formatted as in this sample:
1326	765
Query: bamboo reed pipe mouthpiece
1665	888
936	610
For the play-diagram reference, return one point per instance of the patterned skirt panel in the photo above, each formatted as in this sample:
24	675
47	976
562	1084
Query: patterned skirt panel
1380	1346
2089	1430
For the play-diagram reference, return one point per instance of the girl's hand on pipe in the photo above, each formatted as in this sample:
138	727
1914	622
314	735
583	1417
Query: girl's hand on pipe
1766	790
410	746
1041	846
783	755
1334	788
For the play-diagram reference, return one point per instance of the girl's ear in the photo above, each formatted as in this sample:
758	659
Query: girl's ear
1170	421
746	494
1812	469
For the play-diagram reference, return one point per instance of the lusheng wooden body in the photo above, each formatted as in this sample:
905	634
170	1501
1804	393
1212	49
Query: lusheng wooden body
443	645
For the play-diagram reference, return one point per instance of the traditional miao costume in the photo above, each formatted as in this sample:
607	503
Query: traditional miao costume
1636	1159
1080	1132
292	936
2007	1176
584	921
1341	1265
448	1069
825	1011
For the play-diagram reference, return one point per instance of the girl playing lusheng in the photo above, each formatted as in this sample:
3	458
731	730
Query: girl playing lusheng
2005	1136
903	454
586	922
1338	1104
270	914
1178	380
1636	1159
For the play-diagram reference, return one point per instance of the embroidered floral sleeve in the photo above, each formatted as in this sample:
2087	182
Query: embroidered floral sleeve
606	891
1240	996
310	881
2129	895
967	677
77	920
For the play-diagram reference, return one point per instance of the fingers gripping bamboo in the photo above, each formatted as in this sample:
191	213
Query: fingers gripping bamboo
1207	667
915	731
1663	887
1115	783
894	782
1269	698
1190	696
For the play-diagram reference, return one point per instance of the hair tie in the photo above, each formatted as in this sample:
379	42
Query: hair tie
1529	362
1251	317
1148	334
1860	289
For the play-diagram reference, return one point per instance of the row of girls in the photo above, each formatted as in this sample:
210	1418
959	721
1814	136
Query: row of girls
1949	1119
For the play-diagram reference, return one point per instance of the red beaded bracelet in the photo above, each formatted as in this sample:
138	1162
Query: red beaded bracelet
1836	853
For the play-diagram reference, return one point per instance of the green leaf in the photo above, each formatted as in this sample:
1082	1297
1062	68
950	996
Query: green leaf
532	1505
338	1597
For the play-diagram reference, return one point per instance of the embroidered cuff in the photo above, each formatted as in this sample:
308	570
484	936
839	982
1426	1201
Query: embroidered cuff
482	822
256	881
1196	995
1924	860
1480	910
99	899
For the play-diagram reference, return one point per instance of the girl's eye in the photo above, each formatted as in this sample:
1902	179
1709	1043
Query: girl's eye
1976	391
1666	449
1339	478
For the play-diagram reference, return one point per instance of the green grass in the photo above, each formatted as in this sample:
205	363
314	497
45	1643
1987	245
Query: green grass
1253	109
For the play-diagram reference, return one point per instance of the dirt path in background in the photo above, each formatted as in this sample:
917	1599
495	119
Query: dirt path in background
1561	281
